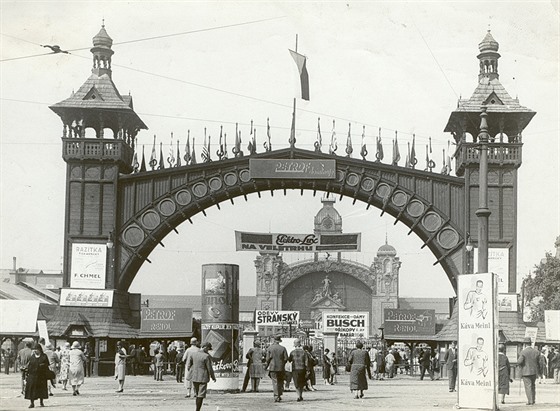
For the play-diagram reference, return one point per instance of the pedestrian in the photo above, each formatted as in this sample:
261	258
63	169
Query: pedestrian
200	371
171	358
334	368
179	365
256	370
312	361
390	364
53	361
398	361
158	363
425	363
195	347
140	360
327	366
64	365
23	360
359	365
131	360
555	364
528	362
373	357
504	377
88	352
36	386
287	375
298	358
543	366
247	376
276	358
8	360
450	360
76	368
120	365
435	365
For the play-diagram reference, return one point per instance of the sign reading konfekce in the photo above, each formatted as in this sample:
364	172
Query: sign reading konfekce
299	243
276	318
88	266
409	322
476	302
347	324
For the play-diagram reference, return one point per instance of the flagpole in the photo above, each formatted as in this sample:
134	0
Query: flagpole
293	131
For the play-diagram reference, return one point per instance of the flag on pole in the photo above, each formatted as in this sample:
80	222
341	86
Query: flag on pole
333	147
143	162
206	149
301	62
268	145
171	158
363	150
161	160
379	155
153	157
319	141
178	155
413	160
187	156
193	155
396	153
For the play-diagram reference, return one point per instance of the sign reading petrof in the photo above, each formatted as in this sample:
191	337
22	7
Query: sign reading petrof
166	320
285	168
409	322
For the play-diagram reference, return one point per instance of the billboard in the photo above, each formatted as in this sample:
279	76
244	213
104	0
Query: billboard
298	243
347	324
507	302
165	321
409	322
477	342
88	265
276	318
552	325
291	168
498	263
86	298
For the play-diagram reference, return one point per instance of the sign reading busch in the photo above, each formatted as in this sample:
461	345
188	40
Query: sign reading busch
347	324
415	322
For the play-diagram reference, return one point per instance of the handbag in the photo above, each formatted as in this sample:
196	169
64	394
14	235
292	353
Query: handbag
50	374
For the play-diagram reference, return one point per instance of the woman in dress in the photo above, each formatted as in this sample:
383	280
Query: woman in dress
359	364
120	365
311	363
53	362
504	377
64	365
327	367
36	387
256	370
76	369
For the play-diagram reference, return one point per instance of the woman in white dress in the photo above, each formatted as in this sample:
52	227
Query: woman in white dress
76	369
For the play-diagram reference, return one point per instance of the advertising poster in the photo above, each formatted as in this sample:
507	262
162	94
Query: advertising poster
507	302
166	321
409	322
297	243
477	343
498	263
86	298
276	318
552	325
347	324
88	266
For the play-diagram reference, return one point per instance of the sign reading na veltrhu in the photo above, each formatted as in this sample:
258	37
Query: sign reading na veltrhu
88	266
297	243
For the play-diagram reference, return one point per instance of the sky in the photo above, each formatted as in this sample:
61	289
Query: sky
194	65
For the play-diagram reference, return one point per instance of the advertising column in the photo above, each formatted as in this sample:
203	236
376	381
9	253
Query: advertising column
220	322
477	343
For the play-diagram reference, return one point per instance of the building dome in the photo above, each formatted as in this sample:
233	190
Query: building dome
386	250
102	39
488	43
328	219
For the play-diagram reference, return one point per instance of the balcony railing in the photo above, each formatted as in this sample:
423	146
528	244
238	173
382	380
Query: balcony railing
498	154
97	149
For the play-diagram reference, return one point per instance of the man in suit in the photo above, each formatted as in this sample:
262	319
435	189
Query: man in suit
276	358
425	363
199	370
450	360
188	353
529	362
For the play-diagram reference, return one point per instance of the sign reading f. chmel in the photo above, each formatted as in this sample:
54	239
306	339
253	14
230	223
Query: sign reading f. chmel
299	243
409	322
276	318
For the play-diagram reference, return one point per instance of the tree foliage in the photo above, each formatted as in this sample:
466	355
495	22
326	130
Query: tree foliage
542	289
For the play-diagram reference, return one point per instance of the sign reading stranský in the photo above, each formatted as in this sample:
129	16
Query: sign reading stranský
276	318
409	322
297	169
300	243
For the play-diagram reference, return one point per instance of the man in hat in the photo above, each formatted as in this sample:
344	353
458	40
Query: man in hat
529	362
199	371
276	358
23	360
195	347
299	361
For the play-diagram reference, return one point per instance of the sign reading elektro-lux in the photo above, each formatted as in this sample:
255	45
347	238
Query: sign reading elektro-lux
289	168
299	243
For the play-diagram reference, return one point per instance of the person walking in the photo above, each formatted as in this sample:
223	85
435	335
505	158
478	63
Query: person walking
36	386
140	360
436	365
425	363
171	355
23	360
88	352
200	371
276	358
256	369
53	361
504	377
158	363
543	366
528	362
64	365
8	360
555	365
312	361
247	376
390	364
298	358
195	347
179	365
450	360
359	365
76	368
120	365
131	360
327	366
334	368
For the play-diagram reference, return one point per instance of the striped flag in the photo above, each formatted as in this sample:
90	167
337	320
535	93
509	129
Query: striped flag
206	149
379	155
301	62
333	146
396	153
187	156
153	157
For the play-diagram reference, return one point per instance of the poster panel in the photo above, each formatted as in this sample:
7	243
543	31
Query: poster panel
220	293
88	265
552	325
409	322
531	332
347	324
277	318
86	298
498	263
297	243
507	302
477	341
166	321
43	332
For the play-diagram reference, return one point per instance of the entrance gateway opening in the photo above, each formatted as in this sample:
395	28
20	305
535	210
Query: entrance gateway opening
117	204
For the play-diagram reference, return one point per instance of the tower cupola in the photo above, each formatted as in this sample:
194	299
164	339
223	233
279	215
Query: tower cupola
488	57
102	52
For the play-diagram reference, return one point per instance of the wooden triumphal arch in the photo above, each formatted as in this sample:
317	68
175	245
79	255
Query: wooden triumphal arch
110	195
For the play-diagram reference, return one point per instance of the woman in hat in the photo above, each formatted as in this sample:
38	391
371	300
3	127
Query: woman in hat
120	365
76	369
256	369
64	365
36	387
53	361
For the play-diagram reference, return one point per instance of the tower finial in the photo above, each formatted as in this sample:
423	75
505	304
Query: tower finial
386	242
103	22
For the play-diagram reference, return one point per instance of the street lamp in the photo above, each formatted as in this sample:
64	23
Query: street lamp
469	247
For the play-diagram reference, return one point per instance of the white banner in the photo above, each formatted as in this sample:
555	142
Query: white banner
531	332
86	298
276	318
477	341
552	325
498	263
43	332
347	324
89	262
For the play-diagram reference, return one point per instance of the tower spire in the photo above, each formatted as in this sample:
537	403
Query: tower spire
488	57
102	52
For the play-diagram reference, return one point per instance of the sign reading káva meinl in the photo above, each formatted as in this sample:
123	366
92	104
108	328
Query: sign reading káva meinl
289	168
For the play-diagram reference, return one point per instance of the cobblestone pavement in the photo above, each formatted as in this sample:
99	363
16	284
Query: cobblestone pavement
143	393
